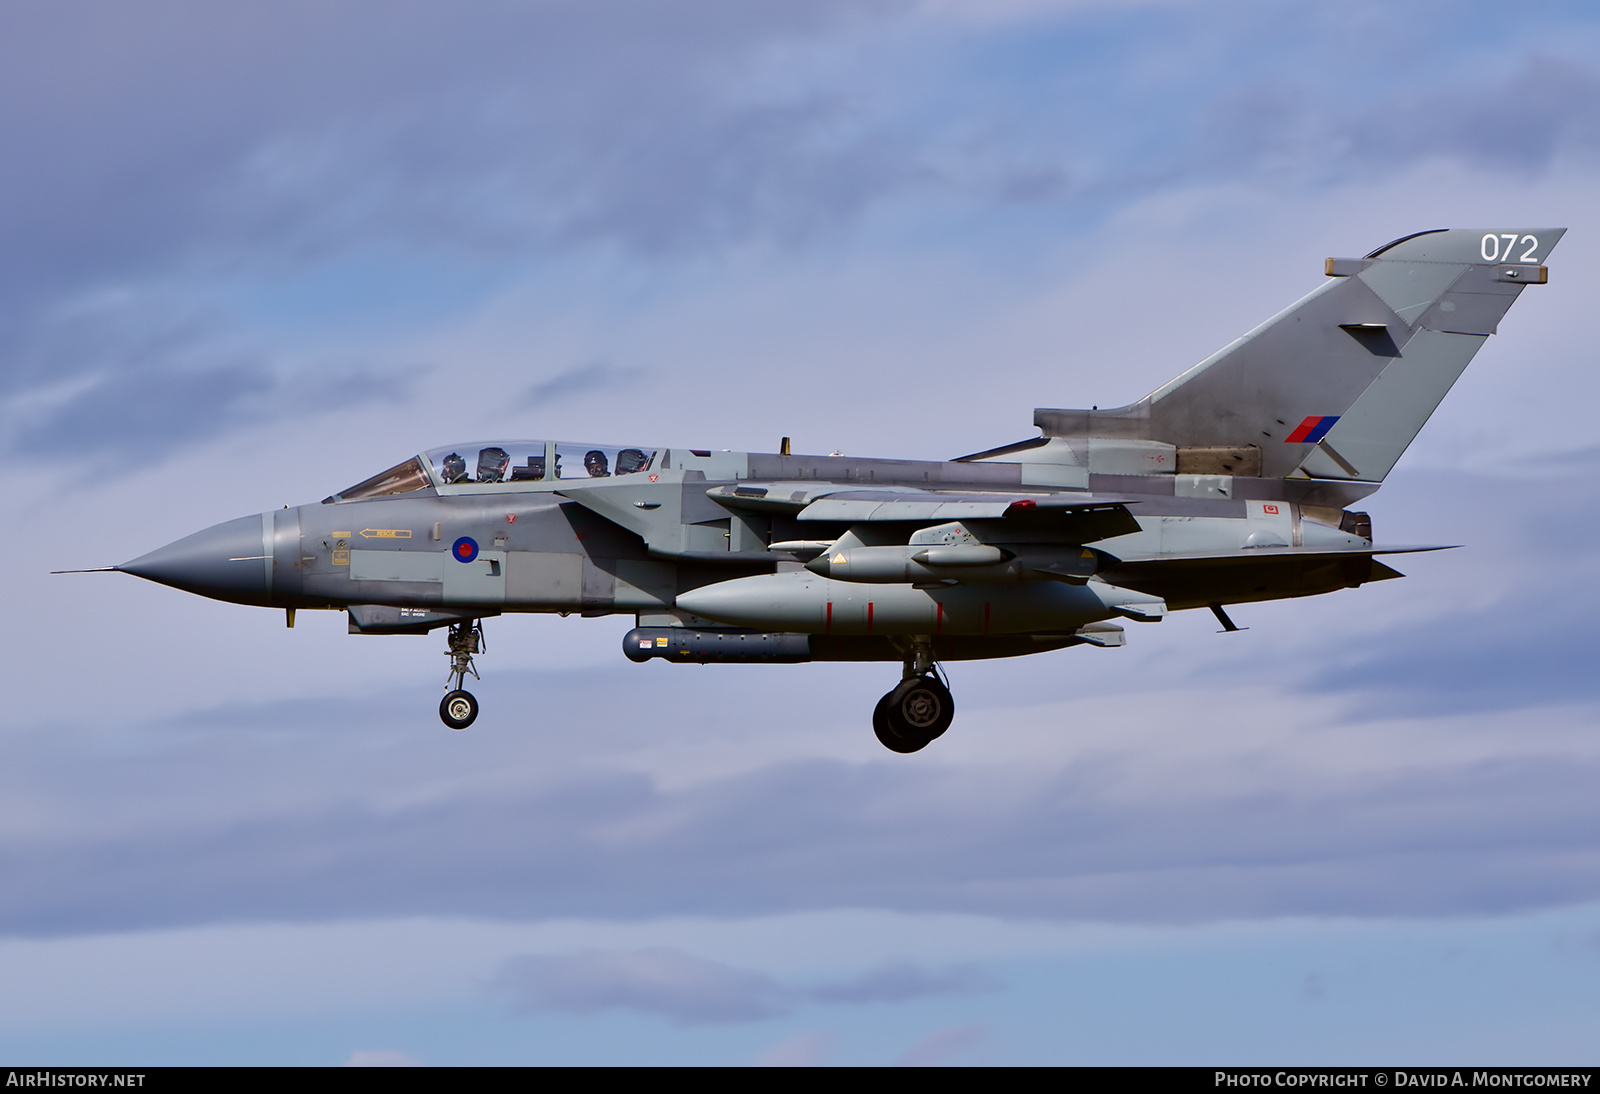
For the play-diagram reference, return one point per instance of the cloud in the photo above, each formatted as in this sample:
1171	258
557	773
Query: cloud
511	134
690	990
490	128
684	989
1524	119
1060	810
514	133
801	1050
130	378
518	142
500	137
1499	657
145	415
127	419
381	1058
580	380
1167	784
944	1046
1516	644
1419	748
898	981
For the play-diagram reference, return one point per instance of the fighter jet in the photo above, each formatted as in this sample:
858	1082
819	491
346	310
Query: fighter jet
1233	483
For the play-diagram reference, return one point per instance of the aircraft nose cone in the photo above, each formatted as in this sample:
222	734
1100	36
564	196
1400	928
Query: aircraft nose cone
228	561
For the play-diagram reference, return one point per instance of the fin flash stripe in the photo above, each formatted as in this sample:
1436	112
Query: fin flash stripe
1312	430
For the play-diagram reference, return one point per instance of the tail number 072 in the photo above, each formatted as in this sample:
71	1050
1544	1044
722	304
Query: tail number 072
1493	252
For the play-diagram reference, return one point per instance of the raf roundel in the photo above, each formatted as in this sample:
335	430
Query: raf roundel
465	549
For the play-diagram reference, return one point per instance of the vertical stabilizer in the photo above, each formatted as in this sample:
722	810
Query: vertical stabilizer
1338	384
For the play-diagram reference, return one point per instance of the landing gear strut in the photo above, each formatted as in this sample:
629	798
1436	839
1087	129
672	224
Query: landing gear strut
459	708
917	711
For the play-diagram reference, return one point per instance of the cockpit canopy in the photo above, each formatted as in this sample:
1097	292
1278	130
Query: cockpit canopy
487	463
535	461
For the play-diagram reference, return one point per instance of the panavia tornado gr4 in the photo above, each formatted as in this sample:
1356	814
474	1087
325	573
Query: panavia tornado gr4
1233	483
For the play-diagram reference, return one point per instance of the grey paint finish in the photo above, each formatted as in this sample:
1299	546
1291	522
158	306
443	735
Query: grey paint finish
1377	429
1409	288
550	581
1469	245
1260	387
397	566
227	561
1191	498
1312	359
479	582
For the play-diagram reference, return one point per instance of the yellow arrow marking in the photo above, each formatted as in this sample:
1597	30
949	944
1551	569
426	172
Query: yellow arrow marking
385	533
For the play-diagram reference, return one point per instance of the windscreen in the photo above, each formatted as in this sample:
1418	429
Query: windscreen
400	479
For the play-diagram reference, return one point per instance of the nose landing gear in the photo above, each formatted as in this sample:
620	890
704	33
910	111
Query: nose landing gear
458	709
919	709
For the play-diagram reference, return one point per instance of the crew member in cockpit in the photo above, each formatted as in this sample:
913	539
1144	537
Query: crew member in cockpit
492	464
454	468
594	462
630	461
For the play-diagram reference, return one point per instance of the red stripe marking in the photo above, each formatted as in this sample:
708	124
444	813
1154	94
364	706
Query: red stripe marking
830	617
869	617
938	623
1303	429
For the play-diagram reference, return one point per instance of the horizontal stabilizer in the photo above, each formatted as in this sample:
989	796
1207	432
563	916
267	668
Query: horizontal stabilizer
1253	555
1242	576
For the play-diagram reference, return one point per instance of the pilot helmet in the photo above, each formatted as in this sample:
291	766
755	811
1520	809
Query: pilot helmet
455	468
594	462
492	464
630	460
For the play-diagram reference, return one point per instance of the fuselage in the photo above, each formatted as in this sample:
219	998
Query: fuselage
687	535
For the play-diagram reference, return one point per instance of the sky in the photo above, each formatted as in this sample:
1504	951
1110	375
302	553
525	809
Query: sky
250	255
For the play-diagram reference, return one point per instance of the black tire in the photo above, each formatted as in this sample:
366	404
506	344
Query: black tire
920	710
887	737
458	709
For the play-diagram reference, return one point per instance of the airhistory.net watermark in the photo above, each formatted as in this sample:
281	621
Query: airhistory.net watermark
47	1078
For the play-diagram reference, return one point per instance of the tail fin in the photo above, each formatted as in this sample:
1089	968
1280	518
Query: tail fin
1338	384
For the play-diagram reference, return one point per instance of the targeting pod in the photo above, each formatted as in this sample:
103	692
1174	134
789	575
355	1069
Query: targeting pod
715	647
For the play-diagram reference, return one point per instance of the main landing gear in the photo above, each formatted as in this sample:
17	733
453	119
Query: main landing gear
458	709
917	711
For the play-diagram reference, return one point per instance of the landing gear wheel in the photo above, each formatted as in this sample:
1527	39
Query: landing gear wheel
458	709
886	736
914	714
